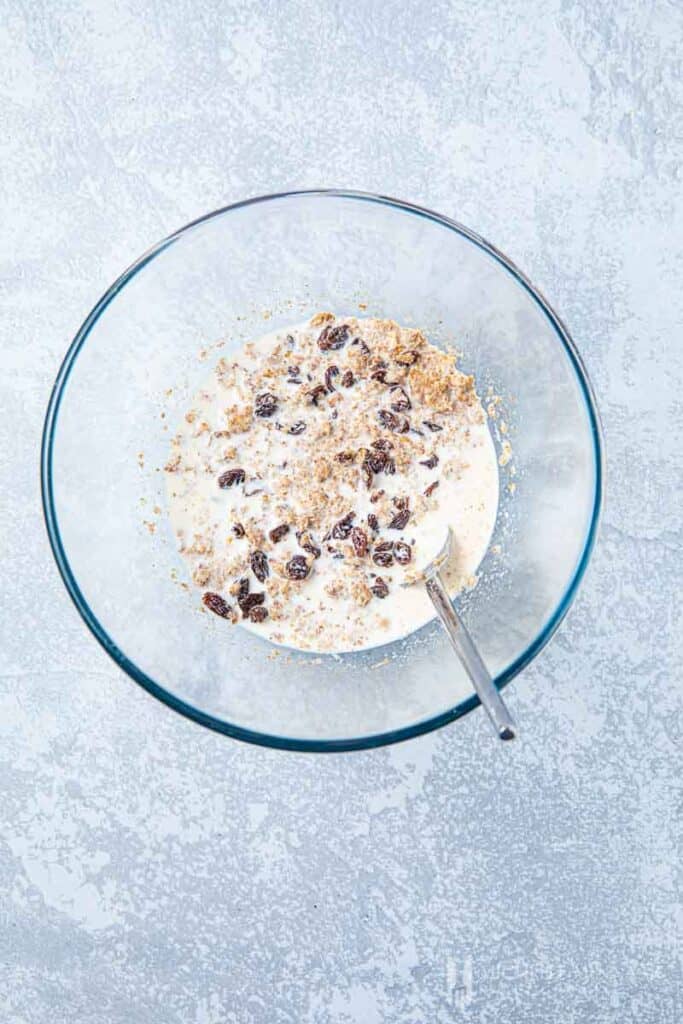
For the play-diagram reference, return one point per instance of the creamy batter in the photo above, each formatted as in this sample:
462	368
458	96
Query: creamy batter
319	466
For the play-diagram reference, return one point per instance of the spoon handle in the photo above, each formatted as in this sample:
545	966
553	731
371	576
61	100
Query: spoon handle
471	659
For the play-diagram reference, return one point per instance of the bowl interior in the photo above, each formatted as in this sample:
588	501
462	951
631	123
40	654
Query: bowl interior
145	349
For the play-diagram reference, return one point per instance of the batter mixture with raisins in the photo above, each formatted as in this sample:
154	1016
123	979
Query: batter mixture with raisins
316	467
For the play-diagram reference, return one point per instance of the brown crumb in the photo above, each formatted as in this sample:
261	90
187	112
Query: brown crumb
239	419
201	575
321	469
361	593
321	318
335	588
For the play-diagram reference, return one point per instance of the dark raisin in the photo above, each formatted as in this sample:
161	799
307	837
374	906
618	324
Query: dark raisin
278	533
342	529
430	425
378	371
258	614
432	461
430	490
383	444
365	348
379	587
359	539
406	357
259	565
388	419
401	402
367	473
243	590
238	530
383	553
400	502
216	604
348	379
332	338
231	477
402	552
251	601
297	568
293	371
317	393
297	428
398	424
330	373
380	462
265	404
375	496
345	457
289	338
376	461
373	522
400	520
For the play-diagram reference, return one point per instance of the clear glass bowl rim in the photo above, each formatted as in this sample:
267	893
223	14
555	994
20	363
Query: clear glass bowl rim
285	742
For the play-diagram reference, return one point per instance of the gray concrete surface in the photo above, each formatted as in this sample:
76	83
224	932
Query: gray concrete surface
152	872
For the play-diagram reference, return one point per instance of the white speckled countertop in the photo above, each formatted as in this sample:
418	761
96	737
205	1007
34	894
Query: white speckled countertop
156	873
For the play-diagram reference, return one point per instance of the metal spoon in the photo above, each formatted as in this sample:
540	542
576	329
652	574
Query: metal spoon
462	642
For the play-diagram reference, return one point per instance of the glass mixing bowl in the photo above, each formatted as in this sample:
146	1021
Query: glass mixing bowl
145	348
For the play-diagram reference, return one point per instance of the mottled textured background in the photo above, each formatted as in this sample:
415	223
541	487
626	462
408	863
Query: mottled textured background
155	873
